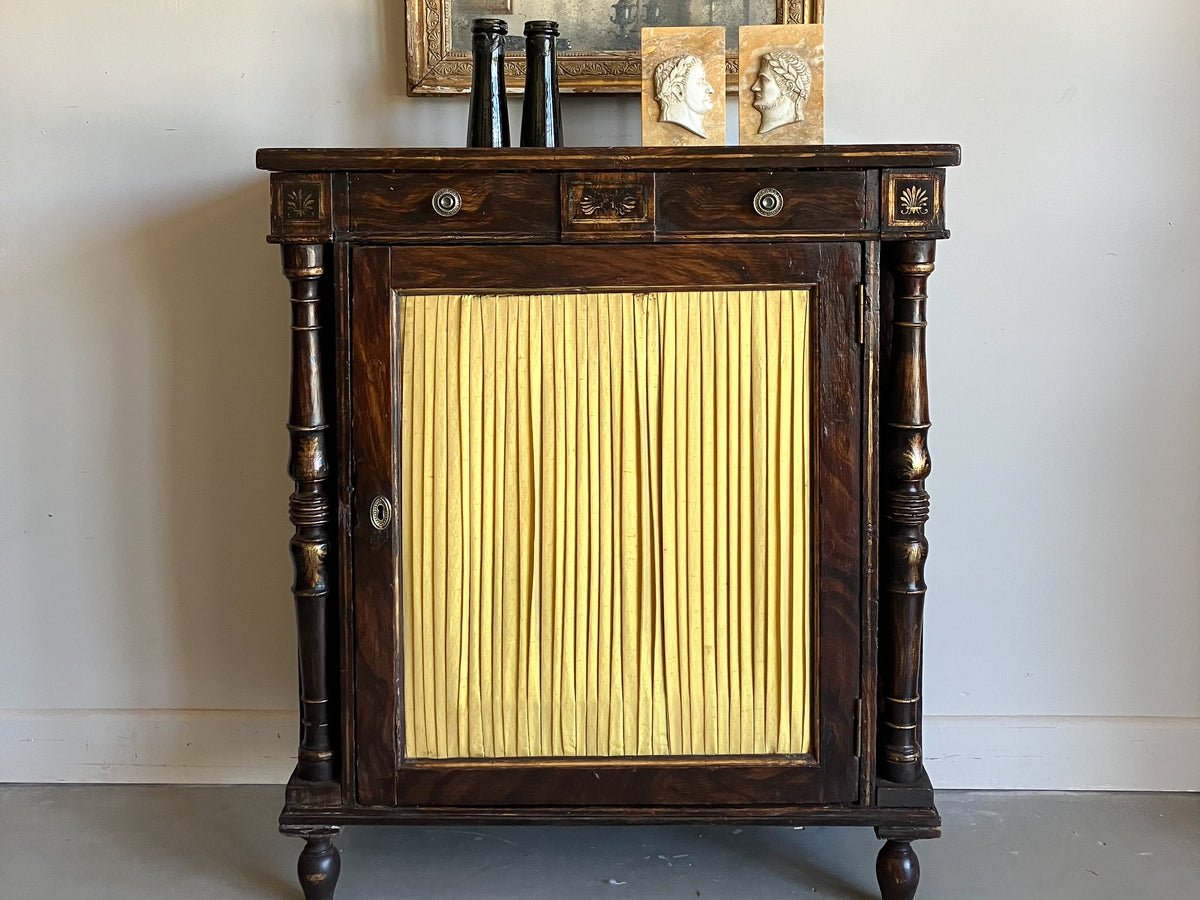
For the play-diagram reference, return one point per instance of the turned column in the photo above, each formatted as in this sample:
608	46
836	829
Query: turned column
905	511
309	508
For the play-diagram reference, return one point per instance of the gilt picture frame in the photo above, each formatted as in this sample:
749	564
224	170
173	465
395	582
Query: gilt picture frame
599	51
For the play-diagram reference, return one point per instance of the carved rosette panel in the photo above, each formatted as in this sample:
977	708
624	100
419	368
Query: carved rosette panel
912	201
300	207
905	511
435	68
309	505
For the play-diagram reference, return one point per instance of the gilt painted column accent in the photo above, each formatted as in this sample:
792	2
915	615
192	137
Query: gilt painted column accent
310	508
905	512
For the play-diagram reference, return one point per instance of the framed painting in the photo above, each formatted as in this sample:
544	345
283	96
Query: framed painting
599	51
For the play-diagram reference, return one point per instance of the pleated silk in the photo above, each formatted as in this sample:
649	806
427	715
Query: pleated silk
605	524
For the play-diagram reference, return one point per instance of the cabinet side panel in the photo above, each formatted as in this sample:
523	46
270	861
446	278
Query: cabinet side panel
870	516
375	573
340	390
839	514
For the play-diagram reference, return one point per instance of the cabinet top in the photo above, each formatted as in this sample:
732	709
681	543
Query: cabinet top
865	156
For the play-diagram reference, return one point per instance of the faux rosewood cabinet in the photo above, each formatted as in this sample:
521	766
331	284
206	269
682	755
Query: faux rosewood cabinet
609	501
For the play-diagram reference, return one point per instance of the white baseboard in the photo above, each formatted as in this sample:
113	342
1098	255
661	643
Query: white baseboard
147	746
259	747
1069	753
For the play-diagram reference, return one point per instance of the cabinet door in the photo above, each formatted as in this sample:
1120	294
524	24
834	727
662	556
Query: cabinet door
619	558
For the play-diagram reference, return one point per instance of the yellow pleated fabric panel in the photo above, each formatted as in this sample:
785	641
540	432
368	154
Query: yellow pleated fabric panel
605	524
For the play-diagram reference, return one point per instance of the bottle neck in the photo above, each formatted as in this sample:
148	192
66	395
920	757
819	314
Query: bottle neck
541	124
540	46
487	51
488	115
541	63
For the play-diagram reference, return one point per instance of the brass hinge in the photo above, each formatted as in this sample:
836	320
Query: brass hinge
858	728
862	312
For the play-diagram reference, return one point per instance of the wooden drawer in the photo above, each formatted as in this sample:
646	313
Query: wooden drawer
772	204
425	206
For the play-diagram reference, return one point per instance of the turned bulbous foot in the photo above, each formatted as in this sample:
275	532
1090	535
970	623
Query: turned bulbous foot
319	867
898	871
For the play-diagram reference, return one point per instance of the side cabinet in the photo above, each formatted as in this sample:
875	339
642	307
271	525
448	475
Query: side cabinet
609	500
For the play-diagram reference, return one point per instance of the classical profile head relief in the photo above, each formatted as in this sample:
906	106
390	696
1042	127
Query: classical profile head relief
683	93
781	89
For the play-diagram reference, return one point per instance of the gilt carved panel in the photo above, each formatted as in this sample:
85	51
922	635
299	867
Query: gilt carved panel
912	201
300	207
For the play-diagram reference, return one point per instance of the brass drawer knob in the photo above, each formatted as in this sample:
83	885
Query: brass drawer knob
768	202
447	202
381	512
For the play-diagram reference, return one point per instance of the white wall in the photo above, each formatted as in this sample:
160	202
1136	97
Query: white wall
147	626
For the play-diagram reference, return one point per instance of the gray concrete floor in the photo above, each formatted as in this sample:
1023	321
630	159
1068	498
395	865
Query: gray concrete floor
143	842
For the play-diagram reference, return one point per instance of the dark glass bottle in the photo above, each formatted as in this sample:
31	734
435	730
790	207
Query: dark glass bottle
487	124
541	121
